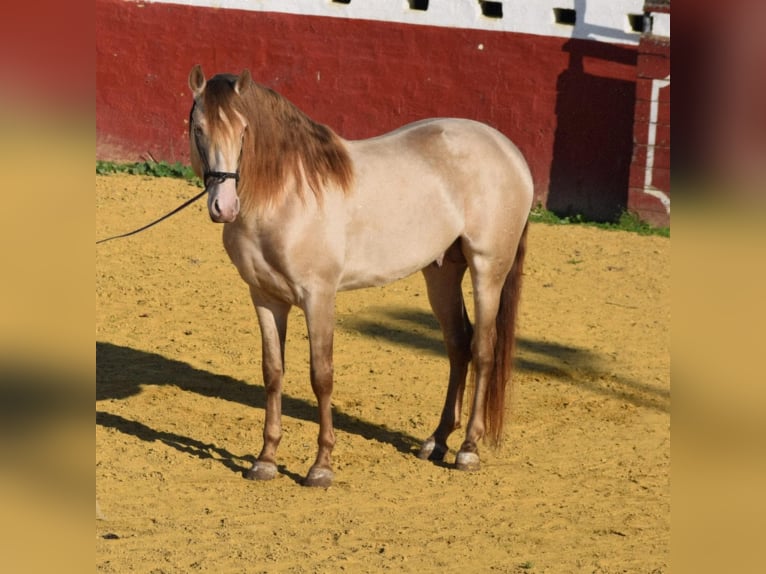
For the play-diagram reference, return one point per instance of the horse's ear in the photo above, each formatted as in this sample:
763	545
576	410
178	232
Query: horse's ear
244	82
196	80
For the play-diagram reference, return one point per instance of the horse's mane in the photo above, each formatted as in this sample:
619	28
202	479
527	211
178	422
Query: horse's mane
282	145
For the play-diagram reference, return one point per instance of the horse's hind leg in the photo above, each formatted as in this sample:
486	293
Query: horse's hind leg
496	274
272	319
488	277
446	298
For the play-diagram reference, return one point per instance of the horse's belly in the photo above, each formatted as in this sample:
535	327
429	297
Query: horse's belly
378	256
373	275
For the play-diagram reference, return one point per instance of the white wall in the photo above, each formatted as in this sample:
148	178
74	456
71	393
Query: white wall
602	20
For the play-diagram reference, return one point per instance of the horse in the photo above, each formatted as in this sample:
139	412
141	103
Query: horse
307	214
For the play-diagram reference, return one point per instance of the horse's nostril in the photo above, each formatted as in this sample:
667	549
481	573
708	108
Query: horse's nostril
216	207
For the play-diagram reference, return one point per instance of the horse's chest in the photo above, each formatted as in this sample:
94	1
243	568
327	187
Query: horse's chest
258	266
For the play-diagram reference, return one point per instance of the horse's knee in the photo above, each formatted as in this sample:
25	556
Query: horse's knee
272	378
321	378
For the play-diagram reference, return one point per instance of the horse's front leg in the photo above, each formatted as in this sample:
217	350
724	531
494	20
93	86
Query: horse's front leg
272	318
320	319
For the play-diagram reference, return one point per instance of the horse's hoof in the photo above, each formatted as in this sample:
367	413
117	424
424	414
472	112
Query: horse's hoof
467	461
430	450
318	476
262	471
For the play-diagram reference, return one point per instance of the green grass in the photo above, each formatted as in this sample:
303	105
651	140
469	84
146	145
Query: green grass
151	168
626	222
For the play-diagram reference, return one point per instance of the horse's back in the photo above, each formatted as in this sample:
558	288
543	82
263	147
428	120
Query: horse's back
465	156
421	187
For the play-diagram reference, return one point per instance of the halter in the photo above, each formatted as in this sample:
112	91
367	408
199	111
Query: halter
222	176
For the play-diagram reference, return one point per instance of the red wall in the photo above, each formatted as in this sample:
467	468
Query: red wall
568	104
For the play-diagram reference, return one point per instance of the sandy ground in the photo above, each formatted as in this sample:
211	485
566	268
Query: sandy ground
581	483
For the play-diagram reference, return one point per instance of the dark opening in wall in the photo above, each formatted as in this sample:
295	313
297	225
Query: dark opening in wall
640	23
565	16
419	5
341	1
491	9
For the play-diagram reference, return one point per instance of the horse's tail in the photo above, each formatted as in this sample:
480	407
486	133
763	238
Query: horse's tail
505	324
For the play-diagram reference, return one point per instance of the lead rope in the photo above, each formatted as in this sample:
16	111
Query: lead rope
176	210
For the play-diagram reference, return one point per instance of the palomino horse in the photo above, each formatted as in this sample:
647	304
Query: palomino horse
308	214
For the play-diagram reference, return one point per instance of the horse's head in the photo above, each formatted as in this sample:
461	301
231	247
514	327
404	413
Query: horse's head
216	135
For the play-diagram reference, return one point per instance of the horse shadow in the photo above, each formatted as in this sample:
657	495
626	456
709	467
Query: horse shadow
404	327
576	366
181	443
122	371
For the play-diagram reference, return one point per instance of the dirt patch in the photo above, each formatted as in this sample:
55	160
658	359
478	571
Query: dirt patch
581	483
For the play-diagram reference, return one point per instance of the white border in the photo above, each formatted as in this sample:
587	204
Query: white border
649	189
601	20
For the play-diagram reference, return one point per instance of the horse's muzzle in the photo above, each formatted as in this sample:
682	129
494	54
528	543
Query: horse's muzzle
223	204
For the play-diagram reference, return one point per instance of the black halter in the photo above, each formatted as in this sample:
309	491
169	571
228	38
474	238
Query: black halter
222	176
